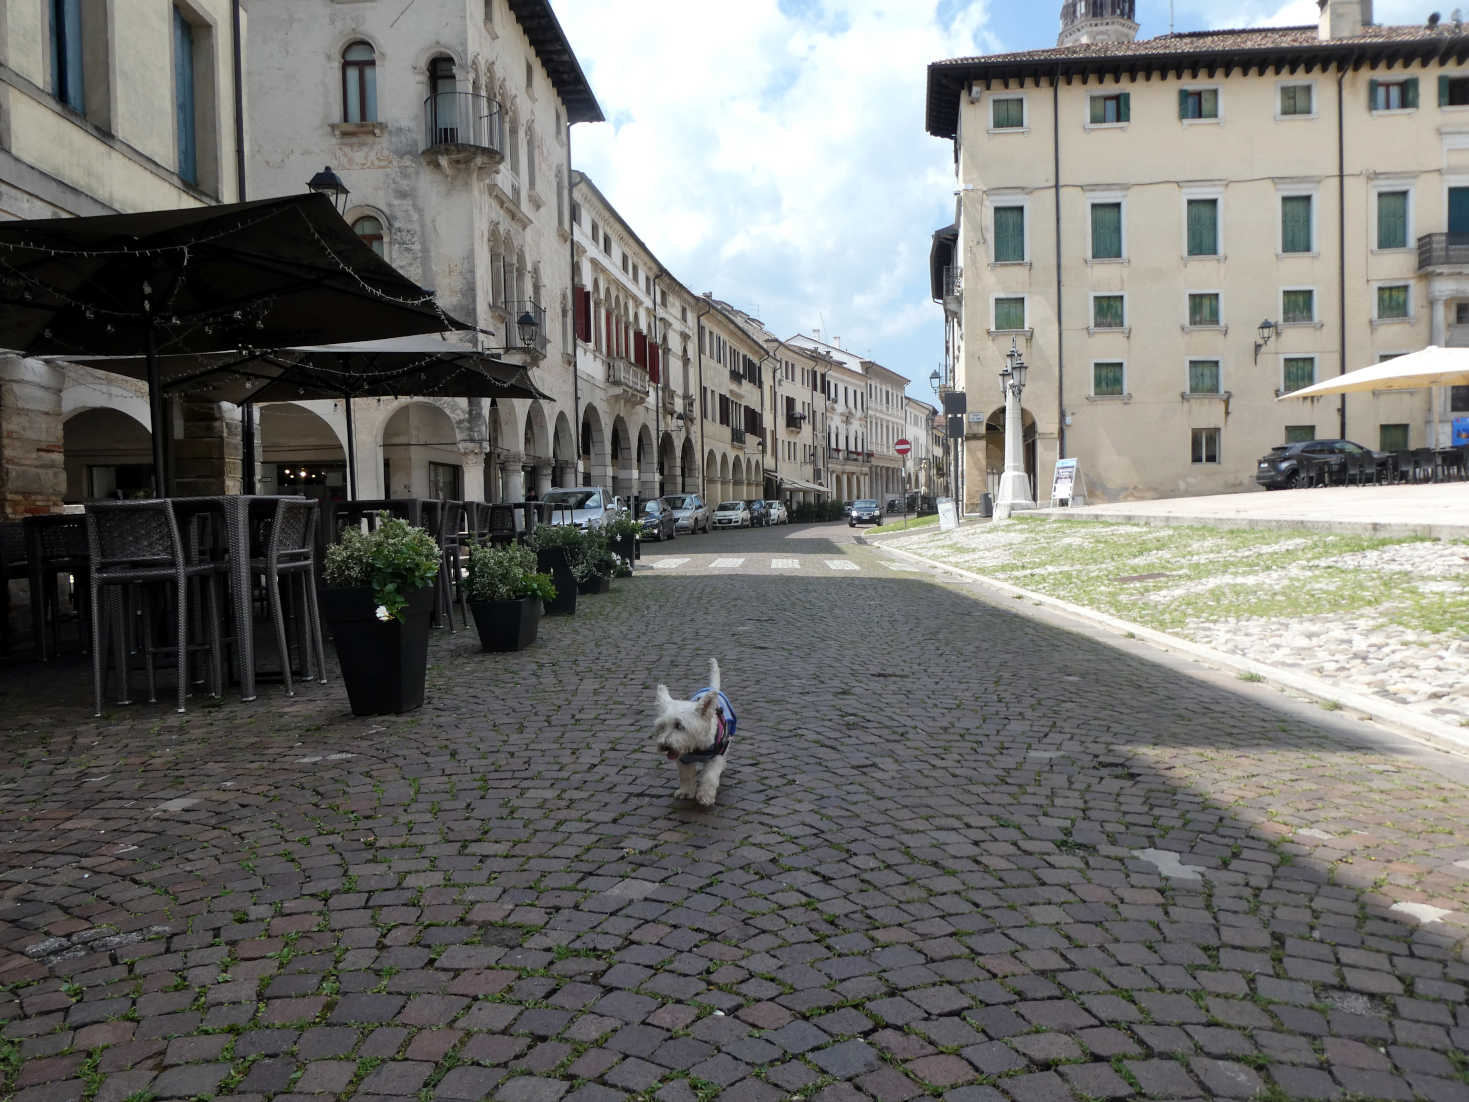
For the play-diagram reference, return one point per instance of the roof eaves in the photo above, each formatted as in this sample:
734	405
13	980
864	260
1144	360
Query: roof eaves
554	50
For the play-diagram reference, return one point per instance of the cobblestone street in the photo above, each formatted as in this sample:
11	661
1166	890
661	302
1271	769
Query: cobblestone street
957	851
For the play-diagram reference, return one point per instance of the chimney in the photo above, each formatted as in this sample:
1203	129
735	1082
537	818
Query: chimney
1343	18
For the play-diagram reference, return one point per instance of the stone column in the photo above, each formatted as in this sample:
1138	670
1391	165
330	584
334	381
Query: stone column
474	470
32	466
207	457
512	477
544	480
564	473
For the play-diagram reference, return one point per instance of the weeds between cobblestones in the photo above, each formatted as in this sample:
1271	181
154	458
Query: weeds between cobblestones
936	894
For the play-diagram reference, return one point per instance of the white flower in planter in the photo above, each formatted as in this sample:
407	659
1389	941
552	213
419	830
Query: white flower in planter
383	614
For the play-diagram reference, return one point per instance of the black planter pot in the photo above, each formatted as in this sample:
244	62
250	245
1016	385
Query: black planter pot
596	584
507	625
552	561
627	547
383	663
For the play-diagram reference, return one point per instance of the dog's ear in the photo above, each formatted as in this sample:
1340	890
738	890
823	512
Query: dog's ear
708	705
664	697
714	674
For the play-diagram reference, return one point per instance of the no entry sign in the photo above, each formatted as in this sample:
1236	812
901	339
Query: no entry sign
902	447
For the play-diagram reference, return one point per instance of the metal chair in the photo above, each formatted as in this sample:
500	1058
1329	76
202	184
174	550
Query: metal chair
135	547
290	551
1424	464
1402	467
56	544
13	566
433	518
501	530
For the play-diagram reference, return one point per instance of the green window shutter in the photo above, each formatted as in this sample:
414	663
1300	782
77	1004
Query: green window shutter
1443	91
1098	110
1392	302
1203	309
1107	378
1373	96
1009	234
1203	227
1124	108
1300	371
1106	231
1393	438
1295	224
1298	306
1203	376
1410	92
1009	313
1183	103
1392	219
1107	312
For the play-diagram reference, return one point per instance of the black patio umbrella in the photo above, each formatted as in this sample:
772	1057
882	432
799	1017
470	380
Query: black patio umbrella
265	274
419	367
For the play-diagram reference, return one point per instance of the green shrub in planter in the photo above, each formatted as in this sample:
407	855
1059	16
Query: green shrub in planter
505	593
377	600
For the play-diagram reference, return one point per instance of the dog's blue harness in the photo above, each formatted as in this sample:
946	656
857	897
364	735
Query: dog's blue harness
727	721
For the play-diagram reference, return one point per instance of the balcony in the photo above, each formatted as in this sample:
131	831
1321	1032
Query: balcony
628	378
737	436
518	310
461	127
736	375
953	282
795	421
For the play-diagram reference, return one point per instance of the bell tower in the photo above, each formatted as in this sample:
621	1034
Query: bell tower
1085	21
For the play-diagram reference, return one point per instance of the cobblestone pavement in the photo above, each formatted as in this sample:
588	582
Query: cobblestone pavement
958	852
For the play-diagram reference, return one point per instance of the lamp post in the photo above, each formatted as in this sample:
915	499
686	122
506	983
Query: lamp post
528	327
330	184
1014	484
1264	332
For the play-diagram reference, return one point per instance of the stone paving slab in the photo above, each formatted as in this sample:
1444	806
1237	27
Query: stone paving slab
957	852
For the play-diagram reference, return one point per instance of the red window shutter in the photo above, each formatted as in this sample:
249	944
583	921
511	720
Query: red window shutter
611	346
582	310
653	363
640	349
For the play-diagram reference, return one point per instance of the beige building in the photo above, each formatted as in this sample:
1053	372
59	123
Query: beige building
452	130
109	106
1129	213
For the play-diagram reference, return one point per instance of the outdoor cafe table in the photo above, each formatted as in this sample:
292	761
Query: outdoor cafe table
236	512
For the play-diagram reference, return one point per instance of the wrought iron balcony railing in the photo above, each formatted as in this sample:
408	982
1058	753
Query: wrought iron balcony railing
463	121
737	435
518	312
953	282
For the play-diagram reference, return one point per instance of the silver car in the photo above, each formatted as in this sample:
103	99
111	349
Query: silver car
778	514
732	514
690	513
584	506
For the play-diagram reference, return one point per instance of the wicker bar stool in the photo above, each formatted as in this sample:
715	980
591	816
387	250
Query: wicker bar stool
290	552
13	565
136	548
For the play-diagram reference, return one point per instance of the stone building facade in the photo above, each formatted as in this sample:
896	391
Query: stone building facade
1313	178
109	106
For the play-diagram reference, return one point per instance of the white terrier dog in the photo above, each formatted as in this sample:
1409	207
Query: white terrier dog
696	733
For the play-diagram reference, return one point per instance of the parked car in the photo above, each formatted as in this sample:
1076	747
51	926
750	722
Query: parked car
589	506
1285	466
847	509
778	514
759	514
690	512
657	521
864	511
731	514
894	505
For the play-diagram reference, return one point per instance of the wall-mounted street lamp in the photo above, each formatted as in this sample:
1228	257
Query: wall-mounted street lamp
528	328
1265	332
330	184
933	381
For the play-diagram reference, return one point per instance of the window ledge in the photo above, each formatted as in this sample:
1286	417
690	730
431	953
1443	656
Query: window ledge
1396	250
1215	121
1026	333
1106	125
1123	398
1107	260
1312	255
1393	111
359	129
1281	392
1212	257
1392	321
1300	325
1292	118
1008	130
1099	330
1010	264
1222	330
1195	395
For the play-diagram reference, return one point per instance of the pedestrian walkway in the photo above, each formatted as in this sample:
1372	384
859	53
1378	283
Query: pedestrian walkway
957	853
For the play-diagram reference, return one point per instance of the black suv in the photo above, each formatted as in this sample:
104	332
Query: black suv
865	511
1288	465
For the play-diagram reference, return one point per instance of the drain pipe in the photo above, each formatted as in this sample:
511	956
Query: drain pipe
1341	230
247	410
703	467
575	370
1060	332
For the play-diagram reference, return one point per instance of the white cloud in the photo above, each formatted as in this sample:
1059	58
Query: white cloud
778	157
1302	13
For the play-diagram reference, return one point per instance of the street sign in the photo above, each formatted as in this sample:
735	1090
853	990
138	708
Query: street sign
902	447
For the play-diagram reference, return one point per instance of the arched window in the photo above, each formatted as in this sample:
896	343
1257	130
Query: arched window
497	272
443	102
359	83
370	229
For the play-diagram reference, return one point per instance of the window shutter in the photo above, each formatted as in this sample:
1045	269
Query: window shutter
1124	107
1183	103
653	363
1373	98
640	350
1410	92
581	311
1443	91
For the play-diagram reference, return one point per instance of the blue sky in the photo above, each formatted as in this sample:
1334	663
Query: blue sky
778	158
